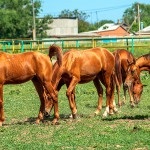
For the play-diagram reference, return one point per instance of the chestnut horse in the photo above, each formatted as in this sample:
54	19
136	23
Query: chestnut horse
142	64
20	68
123	58
97	65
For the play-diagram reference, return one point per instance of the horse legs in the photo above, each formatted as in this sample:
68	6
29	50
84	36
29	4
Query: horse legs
124	93
71	96
1	106
110	103
42	95
118	88
130	89
100	94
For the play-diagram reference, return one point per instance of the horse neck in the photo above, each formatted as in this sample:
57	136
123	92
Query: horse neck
141	63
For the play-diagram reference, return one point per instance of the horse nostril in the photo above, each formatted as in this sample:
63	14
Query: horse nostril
125	85
46	114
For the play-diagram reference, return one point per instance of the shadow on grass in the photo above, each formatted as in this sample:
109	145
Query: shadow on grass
47	120
136	117
63	117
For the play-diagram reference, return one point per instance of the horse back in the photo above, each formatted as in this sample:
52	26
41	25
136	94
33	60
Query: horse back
89	62
22	67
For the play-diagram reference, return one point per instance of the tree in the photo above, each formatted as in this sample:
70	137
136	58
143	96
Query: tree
130	16
17	19
83	25
102	22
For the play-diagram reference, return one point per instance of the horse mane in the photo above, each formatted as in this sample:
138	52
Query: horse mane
118	67
56	50
146	56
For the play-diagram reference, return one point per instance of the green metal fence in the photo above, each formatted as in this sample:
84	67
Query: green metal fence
129	43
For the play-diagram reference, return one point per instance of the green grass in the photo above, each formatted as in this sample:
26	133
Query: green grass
129	129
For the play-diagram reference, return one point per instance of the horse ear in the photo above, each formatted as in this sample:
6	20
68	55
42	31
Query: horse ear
131	63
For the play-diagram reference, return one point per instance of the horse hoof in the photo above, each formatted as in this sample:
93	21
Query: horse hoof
55	123
74	116
111	112
132	105
115	110
104	115
119	104
1	124
70	116
123	103
37	121
96	112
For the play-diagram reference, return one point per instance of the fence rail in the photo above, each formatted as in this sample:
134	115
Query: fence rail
130	43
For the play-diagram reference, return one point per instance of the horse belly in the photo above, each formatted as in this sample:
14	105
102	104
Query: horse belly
18	76
18	80
89	73
87	78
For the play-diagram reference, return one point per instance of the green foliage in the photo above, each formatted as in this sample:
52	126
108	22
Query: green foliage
131	14
17	19
102	22
83	25
42	26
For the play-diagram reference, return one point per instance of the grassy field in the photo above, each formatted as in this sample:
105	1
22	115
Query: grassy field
129	129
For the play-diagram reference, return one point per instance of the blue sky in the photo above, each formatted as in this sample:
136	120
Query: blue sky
96	9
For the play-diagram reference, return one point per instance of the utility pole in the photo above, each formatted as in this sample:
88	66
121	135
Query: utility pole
34	26
139	18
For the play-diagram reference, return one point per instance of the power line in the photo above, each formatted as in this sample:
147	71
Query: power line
96	10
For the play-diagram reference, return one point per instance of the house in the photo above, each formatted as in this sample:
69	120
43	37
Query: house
63	26
111	29
144	32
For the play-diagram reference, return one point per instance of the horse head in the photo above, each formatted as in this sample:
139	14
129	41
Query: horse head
137	91
132	73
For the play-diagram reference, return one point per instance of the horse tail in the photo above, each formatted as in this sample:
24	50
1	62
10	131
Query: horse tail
118	68
55	50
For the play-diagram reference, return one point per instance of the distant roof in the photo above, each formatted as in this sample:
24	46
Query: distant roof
146	29
108	26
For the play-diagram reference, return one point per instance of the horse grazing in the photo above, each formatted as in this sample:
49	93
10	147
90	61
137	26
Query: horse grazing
20	68
97	65
123	58
142	63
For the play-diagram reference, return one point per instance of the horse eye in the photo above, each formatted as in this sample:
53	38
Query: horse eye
132	72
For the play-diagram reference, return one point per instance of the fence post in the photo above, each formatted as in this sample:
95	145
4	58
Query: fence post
13	46
38	46
30	45
77	43
22	46
127	44
132	49
93	43
4	47
62	44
